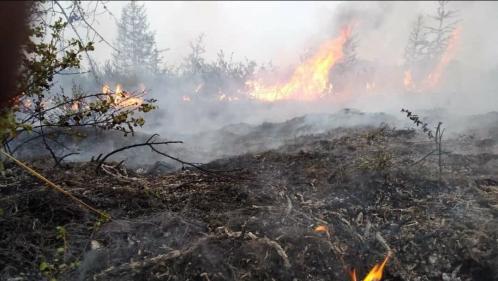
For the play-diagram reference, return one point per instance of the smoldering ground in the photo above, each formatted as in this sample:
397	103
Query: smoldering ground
287	166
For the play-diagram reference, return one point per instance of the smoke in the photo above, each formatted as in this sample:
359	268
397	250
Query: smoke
191	104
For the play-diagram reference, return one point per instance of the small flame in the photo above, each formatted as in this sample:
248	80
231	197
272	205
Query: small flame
321	229
119	89
186	98
106	89
122	98
75	106
375	273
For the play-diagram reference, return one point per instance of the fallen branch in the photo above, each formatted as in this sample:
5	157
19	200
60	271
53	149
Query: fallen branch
107	170
149	143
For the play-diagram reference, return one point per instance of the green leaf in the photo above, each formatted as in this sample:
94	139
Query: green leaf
44	266
60	250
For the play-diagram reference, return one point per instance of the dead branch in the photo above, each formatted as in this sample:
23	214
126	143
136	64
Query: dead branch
90	61
149	143
215	173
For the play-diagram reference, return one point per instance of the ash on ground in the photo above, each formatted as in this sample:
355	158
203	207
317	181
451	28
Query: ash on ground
254	217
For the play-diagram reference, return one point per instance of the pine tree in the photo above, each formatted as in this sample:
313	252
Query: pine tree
136	43
441	32
416	50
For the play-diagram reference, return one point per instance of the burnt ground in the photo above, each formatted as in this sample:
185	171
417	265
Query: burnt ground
257	221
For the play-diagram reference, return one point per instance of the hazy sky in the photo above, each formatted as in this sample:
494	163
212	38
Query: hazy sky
282	31
261	31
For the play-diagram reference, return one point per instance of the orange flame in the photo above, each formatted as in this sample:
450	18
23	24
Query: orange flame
375	273
321	229
122	98
186	98
310	80
106	89
434	76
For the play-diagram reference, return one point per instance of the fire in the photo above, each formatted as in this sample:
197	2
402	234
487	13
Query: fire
321	229
434	76
186	98
310	80
375	273
122	98
75	106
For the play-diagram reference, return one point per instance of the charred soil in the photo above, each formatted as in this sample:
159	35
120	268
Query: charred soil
364	186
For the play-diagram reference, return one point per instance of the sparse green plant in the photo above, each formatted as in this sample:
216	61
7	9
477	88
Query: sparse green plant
59	264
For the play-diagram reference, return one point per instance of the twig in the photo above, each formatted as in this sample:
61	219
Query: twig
423	158
147	143
90	61
55	186
382	241
117	175
65	156
184	162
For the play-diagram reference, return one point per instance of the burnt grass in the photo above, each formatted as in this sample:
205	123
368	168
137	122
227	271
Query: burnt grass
255	218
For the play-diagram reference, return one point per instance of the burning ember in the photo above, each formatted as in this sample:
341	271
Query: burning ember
321	229
122	98
375	273
310	80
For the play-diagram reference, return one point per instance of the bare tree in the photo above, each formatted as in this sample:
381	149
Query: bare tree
416	49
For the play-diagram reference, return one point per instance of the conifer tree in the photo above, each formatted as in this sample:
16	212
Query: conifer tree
136	43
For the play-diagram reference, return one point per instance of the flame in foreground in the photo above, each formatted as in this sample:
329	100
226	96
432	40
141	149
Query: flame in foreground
321	229
122	98
375	273
310	80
